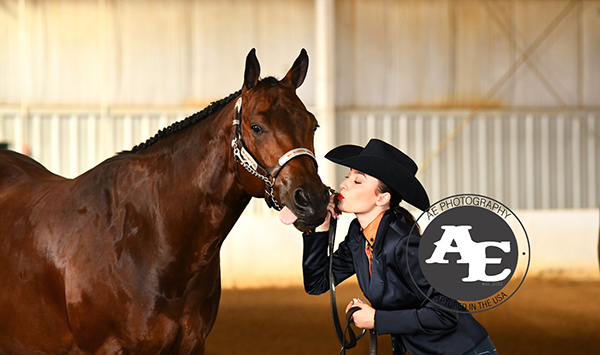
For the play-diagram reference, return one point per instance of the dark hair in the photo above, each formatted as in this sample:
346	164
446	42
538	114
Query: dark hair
395	200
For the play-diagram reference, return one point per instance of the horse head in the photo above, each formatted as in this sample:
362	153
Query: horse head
275	135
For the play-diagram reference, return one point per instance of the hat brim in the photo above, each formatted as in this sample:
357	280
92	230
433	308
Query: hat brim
394	175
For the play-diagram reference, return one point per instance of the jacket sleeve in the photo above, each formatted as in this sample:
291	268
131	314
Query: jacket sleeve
426	317
315	263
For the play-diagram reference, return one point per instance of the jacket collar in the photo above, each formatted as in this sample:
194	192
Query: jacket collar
373	285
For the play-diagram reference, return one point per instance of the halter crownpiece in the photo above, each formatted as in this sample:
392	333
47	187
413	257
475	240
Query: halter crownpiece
237	116
248	162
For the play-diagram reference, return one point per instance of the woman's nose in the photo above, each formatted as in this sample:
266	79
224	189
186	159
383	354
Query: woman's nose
343	185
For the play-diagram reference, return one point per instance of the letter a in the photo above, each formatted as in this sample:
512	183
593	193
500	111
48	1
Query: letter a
458	234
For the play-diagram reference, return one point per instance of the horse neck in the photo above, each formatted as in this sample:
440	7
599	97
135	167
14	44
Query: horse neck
191	176
202	159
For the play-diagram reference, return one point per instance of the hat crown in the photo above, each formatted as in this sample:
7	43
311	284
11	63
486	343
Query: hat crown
386	163
379	148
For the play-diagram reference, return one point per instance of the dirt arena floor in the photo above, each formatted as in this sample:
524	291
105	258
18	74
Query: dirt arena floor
542	317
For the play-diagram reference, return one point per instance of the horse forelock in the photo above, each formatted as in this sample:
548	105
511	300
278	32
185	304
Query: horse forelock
270	80
185	123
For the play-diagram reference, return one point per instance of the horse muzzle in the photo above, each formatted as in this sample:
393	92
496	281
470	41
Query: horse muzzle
305	208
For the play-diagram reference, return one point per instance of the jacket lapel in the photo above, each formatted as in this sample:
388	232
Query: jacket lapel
361	263
378	270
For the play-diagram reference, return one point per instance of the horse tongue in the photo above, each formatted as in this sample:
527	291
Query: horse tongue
286	216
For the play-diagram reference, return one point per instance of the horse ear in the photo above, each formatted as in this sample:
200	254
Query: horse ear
252	71
298	71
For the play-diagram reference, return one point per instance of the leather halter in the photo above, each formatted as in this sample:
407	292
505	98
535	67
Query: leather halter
248	162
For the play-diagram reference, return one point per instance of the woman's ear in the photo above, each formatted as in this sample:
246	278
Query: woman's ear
383	199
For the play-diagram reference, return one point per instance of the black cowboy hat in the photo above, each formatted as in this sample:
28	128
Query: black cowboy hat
386	163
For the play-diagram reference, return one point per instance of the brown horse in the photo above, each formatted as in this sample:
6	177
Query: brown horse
124	259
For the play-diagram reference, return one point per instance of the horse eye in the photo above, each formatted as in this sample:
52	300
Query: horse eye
316	127
256	128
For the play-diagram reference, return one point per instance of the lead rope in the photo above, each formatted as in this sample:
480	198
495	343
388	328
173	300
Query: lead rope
350	342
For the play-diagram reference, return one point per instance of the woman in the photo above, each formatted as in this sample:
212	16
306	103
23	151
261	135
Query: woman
375	249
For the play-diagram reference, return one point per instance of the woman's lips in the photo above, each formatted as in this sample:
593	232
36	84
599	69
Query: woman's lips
340	197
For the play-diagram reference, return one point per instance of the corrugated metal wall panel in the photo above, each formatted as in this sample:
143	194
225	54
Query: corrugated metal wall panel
528	160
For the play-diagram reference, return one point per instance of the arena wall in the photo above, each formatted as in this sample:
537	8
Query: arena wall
564	244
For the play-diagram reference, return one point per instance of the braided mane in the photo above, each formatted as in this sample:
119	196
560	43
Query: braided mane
180	125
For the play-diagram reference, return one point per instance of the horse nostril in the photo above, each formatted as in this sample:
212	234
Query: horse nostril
309	202
300	198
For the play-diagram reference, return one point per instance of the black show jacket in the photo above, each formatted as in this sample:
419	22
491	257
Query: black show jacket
415	323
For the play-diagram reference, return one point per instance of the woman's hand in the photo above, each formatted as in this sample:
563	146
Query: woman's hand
365	318
333	212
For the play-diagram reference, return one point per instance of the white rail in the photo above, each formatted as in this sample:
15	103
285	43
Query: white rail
528	160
